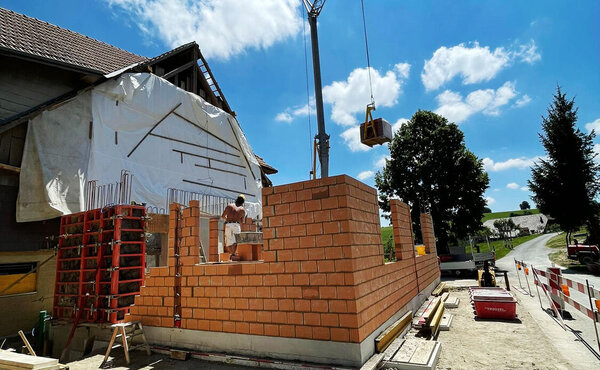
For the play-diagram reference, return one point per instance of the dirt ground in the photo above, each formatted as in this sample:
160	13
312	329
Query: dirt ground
471	343
139	360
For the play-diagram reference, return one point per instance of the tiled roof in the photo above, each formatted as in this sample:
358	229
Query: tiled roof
269	170
40	39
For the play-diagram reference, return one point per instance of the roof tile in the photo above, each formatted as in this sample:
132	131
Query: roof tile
31	36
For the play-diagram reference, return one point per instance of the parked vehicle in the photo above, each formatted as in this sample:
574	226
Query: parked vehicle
459	263
585	253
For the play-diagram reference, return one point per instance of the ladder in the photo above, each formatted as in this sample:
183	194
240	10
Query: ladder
212	83
120	331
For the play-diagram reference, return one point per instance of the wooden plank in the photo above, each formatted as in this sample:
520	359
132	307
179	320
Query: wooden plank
389	334
29	348
435	322
179	355
431	310
12	360
406	351
445	296
423	352
9	168
439	289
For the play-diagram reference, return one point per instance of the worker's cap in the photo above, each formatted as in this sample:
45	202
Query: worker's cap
242	196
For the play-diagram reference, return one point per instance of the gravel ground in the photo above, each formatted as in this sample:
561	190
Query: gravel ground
472	343
156	361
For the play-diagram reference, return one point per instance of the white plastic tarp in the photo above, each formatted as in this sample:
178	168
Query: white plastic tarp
165	136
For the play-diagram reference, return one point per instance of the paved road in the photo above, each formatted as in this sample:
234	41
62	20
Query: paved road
535	253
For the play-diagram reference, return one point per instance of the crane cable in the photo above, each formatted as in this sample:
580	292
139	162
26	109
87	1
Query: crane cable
362	5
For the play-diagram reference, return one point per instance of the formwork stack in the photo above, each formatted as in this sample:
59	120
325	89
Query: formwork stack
100	263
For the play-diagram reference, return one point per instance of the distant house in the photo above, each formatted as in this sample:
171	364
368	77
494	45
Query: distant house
531	224
73	110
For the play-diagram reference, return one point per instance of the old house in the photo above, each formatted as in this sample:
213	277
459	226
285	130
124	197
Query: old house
77	113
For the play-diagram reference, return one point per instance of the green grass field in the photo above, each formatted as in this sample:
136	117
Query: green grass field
495	215
501	250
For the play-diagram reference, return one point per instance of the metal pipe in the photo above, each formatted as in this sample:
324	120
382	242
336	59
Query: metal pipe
322	136
595	313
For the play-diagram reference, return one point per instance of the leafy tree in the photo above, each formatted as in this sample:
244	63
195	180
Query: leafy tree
565	183
431	169
524	205
487	210
506	227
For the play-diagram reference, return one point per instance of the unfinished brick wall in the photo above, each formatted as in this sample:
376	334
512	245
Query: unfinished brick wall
323	275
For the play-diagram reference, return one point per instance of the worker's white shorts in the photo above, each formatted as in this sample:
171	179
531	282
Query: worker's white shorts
230	230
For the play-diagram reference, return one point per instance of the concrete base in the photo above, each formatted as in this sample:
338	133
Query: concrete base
305	350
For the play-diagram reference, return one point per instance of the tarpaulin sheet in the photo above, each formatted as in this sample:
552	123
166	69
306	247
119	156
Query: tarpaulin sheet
165	136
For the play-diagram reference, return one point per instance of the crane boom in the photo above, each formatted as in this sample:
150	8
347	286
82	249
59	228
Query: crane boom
313	10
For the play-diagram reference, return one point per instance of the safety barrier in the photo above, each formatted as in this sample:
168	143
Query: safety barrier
557	291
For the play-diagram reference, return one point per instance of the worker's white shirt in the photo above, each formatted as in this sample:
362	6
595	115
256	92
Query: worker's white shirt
230	230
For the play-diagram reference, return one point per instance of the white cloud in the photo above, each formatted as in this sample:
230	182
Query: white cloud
520	163
512	185
351	96
524	188
488	101
380	163
222	28
497	189
284	117
472	62
593	126
523	101
365	175
298	111
399	123
528	53
489	201
352	139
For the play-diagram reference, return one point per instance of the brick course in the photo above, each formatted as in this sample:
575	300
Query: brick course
322	276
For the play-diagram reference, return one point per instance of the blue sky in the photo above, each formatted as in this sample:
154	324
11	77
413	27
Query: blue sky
490	66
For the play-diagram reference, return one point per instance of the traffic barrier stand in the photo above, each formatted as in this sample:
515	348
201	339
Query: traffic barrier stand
521	289
552	305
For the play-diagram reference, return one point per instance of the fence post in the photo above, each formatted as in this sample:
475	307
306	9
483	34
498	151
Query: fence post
518	277
526	271
595	313
536	281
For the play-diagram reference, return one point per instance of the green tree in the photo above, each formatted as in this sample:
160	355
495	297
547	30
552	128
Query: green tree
487	210
565	183
431	169
524	205
506	227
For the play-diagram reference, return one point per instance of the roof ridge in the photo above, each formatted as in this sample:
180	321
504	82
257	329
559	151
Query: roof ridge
73	32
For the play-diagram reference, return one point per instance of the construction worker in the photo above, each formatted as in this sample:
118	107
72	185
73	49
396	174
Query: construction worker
233	214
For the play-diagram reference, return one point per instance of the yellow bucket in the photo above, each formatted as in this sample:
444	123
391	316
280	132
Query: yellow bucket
420	250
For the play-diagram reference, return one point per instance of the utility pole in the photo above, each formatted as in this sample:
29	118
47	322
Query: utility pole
313	10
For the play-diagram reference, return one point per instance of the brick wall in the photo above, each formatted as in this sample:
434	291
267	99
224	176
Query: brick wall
323	275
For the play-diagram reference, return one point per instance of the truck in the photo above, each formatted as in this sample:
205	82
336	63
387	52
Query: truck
459	263
584	253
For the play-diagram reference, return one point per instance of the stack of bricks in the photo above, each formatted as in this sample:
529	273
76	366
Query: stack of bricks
323	276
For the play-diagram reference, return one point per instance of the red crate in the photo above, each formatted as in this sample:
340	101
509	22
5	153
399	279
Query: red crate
101	262
496	310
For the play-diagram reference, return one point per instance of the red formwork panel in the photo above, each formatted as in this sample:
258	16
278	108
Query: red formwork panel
101	263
